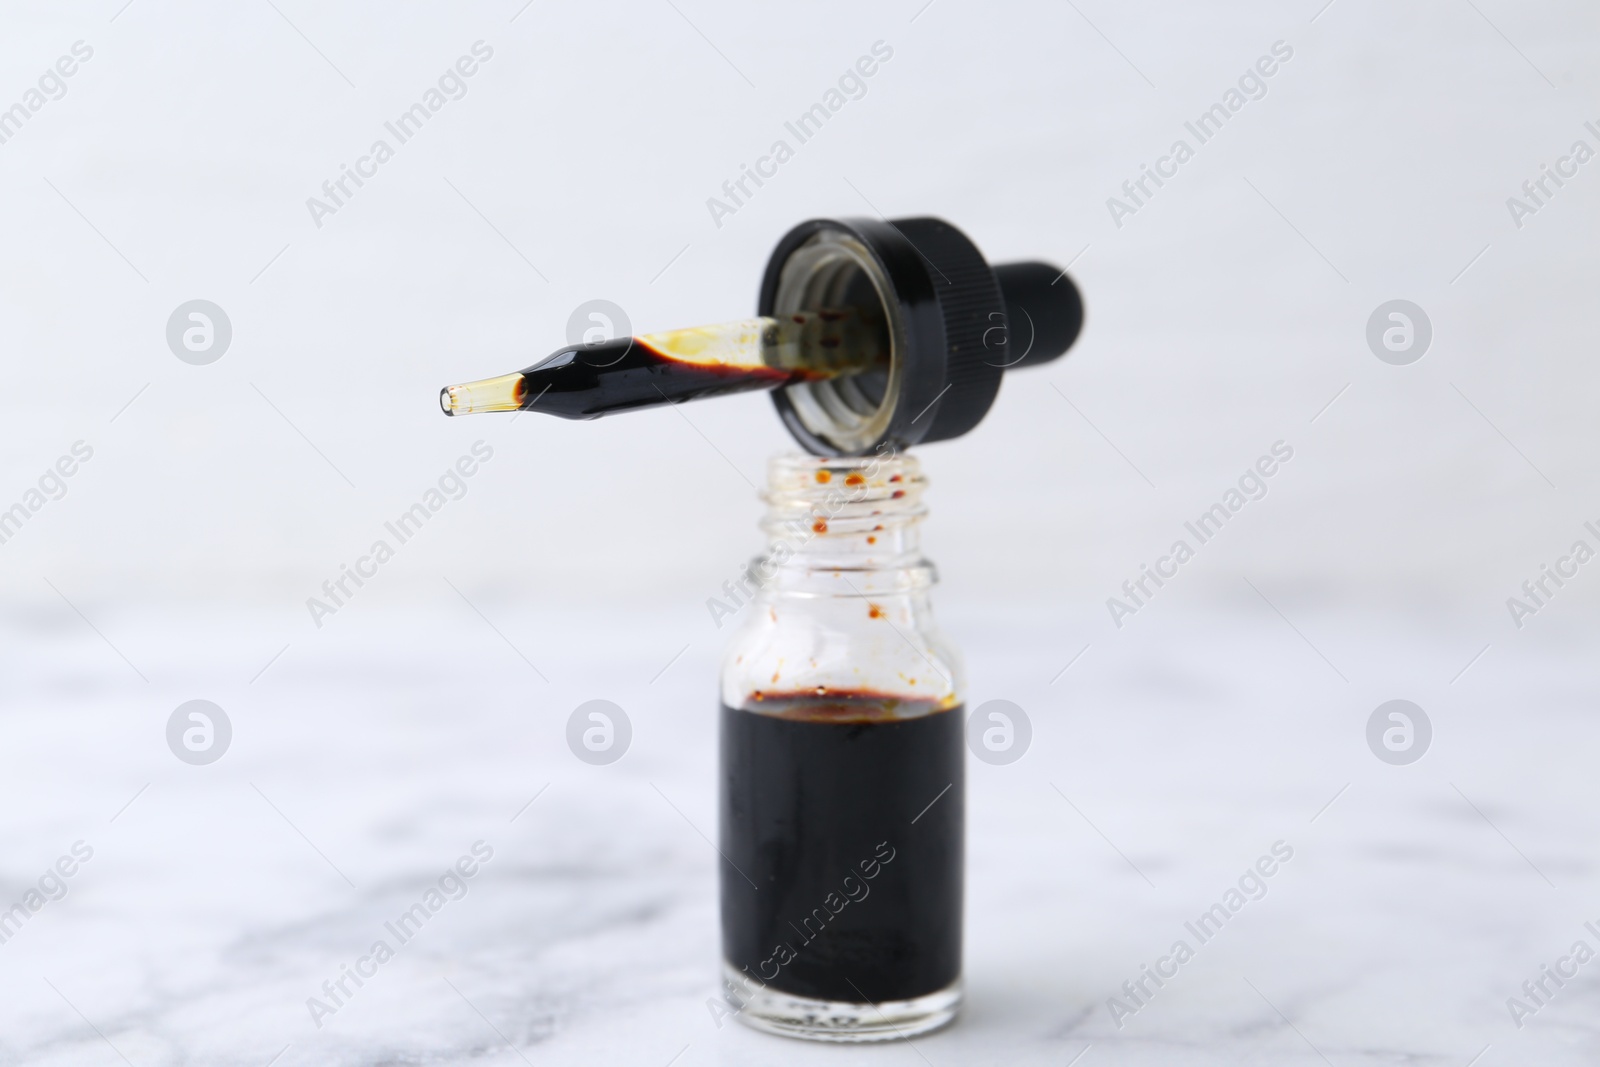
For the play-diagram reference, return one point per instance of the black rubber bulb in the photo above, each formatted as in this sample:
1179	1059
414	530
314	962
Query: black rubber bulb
1044	312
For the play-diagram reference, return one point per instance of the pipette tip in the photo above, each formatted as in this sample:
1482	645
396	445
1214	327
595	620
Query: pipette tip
502	393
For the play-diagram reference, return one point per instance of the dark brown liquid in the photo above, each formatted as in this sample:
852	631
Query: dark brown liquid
842	836
621	375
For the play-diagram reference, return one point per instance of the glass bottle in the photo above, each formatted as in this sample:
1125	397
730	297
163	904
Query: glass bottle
842	765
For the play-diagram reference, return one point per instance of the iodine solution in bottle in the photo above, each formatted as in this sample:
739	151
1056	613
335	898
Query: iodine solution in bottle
842	766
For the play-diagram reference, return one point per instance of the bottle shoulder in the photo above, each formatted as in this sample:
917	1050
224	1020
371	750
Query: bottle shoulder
888	646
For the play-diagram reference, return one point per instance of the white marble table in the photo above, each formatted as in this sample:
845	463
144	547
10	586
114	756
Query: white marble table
1170	757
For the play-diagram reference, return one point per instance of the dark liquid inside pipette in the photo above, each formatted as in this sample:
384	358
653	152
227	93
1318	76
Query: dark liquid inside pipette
621	375
588	381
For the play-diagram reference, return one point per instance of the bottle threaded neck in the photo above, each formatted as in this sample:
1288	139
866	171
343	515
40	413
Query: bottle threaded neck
857	514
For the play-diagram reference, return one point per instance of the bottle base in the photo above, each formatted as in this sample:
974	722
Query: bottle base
775	1012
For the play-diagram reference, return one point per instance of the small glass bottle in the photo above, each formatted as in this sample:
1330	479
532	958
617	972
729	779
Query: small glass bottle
842	765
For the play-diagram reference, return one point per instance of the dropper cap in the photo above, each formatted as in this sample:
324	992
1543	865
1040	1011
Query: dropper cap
871	334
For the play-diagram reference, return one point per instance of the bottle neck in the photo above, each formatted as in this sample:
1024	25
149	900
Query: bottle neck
844	526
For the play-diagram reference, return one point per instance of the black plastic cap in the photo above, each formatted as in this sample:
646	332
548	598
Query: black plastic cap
953	324
973	313
1044	312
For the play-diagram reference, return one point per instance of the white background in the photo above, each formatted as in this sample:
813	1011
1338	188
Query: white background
1224	316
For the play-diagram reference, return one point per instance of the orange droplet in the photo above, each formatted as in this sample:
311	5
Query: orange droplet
897	494
871	540
874	612
820	526
895	478
774	677
824	477
855	478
